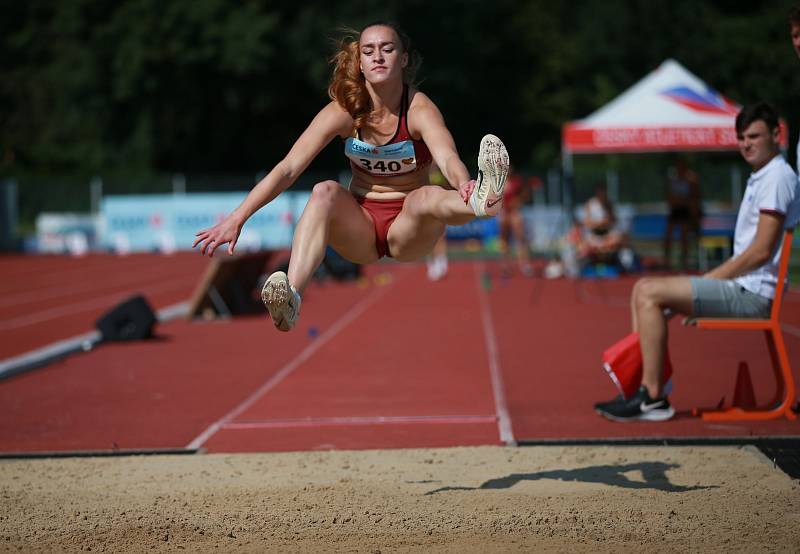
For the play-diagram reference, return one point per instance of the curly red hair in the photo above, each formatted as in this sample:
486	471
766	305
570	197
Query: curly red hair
348	86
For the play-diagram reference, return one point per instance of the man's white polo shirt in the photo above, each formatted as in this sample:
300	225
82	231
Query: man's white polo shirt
773	188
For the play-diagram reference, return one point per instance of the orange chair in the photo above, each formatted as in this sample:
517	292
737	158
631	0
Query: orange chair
785	393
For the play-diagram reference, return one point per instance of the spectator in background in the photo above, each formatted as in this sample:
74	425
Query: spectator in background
794	31
742	287
512	224
593	238
685	211
601	239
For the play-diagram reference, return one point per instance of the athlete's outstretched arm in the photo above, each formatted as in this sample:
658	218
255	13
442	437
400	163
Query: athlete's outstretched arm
428	122
331	121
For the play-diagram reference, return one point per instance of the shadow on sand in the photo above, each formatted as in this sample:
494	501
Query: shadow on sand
654	476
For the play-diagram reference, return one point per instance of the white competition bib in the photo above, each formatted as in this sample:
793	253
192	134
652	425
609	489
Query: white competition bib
389	160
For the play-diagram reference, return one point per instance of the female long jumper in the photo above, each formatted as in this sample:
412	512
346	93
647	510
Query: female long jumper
391	134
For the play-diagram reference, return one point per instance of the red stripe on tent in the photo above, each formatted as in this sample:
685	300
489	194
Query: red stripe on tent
642	139
583	140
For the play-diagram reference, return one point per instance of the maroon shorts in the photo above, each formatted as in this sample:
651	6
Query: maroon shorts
383	213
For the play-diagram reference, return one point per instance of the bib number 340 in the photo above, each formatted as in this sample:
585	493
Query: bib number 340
383	166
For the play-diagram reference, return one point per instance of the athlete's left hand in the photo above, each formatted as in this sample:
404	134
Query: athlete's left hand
225	232
465	190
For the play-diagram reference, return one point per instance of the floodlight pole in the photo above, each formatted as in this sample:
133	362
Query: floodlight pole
96	193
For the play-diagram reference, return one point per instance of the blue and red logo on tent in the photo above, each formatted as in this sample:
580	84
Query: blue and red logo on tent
708	101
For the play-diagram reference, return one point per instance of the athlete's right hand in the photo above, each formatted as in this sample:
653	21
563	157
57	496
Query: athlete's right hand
226	231
465	190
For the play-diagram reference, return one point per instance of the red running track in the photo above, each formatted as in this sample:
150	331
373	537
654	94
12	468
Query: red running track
44	299
400	362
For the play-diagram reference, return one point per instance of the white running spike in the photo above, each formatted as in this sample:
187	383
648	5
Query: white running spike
493	162
281	300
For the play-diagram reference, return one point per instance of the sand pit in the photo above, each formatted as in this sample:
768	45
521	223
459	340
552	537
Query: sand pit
486	499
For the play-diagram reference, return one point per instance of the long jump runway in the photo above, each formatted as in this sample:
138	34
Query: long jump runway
391	361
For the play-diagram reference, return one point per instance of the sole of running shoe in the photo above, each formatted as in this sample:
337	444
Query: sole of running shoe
493	162
275	296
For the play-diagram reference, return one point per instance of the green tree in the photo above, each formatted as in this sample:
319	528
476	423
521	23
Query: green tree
210	86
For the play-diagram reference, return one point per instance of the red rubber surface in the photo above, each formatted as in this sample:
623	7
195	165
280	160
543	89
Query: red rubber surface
393	361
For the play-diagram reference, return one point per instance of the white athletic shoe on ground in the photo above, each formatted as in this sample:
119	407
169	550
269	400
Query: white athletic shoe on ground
437	268
281	300
487	196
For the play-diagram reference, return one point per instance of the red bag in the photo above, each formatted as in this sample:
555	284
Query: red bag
623	362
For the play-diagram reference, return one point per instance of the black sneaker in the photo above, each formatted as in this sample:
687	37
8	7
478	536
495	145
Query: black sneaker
639	407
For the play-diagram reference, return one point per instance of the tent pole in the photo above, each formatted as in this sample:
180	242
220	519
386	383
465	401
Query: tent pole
612	185
566	183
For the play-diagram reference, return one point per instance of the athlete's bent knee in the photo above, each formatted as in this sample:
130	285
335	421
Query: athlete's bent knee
325	190
323	194
417	199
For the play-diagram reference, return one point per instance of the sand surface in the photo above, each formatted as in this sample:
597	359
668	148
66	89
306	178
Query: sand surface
487	499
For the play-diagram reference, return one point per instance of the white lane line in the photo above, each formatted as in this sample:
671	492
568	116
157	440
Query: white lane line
498	389
356	421
79	307
287	369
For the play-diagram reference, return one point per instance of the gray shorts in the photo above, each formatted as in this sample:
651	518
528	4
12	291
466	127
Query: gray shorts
726	298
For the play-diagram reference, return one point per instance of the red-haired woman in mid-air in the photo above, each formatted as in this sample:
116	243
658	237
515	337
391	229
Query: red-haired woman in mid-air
391	133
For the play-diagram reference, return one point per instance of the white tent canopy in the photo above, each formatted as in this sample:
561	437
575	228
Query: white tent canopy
671	109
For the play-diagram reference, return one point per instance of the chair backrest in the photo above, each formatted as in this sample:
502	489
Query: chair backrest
783	271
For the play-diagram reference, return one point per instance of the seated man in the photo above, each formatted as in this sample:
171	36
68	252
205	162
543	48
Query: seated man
741	287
